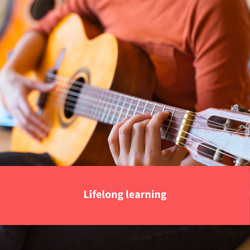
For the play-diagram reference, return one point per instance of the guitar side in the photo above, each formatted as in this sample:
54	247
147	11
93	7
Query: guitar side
103	62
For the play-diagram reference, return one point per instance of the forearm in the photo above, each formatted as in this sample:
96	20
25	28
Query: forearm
26	53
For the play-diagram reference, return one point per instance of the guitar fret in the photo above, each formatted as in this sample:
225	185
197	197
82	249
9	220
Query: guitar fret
91	104
96	104
105	108
170	121
95	108
152	112
81	103
98	110
137	107
110	110
103	105
116	110
129	107
145	107
162	129
111	107
118	119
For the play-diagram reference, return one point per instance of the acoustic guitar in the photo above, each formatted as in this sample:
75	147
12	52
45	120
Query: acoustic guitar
20	15
95	80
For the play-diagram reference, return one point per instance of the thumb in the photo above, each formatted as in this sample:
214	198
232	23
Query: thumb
167	152
175	153
41	86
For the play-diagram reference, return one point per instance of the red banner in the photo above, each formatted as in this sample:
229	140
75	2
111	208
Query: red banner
124	195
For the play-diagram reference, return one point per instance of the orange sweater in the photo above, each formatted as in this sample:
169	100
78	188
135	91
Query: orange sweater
200	48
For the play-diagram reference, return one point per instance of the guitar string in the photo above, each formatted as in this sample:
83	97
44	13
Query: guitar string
117	93
205	146
218	125
194	136
40	9
159	105
44	8
109	104
110	110
191	134
36	9
201	152
80	84
211	157
66	80
118	106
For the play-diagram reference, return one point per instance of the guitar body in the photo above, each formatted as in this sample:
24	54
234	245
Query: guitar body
103	62
21	15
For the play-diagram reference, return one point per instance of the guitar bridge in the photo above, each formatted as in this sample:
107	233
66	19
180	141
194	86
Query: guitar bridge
184	128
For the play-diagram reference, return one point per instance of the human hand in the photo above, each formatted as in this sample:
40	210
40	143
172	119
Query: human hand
15	89
137	142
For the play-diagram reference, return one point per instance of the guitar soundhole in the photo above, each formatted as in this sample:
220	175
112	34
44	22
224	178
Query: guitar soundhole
72	97
40	8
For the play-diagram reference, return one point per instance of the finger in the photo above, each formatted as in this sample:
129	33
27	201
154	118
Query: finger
38	85
167	152
125	132
153	134
174	154
113	140
30	125
34	118
138	138
178	153
29	129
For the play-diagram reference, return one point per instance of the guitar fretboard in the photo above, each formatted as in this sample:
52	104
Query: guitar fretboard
111	107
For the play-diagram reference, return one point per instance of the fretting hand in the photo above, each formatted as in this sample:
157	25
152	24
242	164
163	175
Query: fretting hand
137	142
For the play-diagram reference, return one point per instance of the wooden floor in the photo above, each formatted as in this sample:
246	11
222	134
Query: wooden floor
5	139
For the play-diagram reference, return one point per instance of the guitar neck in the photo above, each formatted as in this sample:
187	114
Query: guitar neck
111	107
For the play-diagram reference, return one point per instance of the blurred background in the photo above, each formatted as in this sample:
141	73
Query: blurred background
5	120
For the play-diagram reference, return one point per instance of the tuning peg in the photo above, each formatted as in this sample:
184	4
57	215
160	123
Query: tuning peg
237	108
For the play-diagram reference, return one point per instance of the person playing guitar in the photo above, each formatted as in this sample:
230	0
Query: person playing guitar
199	50
200	61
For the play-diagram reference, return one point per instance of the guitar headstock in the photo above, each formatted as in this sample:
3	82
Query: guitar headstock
220	137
